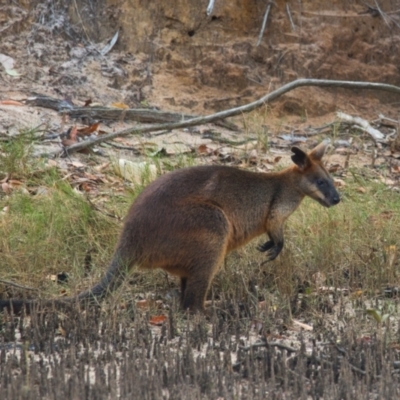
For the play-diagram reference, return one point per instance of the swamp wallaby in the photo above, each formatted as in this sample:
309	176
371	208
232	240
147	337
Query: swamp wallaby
187	221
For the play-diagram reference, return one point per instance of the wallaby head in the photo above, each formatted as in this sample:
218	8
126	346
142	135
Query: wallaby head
314	180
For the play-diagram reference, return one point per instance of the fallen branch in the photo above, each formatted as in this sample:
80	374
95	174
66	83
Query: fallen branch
362	124
228	113
144	115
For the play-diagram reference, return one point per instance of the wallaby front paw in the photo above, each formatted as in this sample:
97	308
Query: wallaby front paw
265	246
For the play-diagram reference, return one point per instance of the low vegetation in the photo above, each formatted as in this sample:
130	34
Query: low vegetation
338	275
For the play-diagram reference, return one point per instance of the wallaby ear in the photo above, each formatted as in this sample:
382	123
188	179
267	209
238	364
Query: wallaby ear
300	158
318	151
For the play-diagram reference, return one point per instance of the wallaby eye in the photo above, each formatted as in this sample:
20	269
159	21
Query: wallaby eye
320	182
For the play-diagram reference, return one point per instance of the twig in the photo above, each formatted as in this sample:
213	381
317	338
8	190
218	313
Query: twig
210	7
102	211
229	113
17	285
264	23
290	16
209	135
382	14
119	147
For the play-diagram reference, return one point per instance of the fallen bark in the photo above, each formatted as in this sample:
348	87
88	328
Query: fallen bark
229	113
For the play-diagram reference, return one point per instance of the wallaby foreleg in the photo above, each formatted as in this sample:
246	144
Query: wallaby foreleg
273	246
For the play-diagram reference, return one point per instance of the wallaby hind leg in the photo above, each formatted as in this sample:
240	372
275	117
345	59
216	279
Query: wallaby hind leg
183	289
201	273
194	295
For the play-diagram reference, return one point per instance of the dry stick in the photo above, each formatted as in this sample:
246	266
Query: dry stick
210	7
382	14
229	113
290	17
264	23
9	283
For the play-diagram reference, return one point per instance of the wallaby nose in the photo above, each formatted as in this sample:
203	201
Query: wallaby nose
336	199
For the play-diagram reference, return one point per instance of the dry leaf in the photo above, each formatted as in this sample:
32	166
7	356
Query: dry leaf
387	214
391	253
319	278
88	130
396	169
361	189
102	167
7	61
142	304
11	103
72	134
52	163
62	331
302	325
51	277
277	159
253	157
339	182
77	164
6	187
12	184
343	151
387	181
5	210
158	320
333	168
203	149
120	105
86	187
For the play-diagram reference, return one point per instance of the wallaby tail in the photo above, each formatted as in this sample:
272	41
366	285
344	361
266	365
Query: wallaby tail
112	279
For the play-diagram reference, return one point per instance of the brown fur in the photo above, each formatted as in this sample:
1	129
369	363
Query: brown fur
188	220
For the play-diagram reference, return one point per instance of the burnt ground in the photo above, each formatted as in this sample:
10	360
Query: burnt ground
175	58
89	355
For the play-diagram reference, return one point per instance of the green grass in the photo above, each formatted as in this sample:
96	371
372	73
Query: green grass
50	233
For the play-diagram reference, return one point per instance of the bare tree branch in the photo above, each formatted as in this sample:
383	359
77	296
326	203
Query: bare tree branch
137	130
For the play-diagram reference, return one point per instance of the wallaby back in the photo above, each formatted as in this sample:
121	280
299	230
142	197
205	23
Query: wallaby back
187	221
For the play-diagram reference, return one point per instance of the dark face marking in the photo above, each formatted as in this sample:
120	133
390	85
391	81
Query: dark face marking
323	188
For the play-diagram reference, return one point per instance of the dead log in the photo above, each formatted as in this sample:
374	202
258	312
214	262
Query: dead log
231	112
143	115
